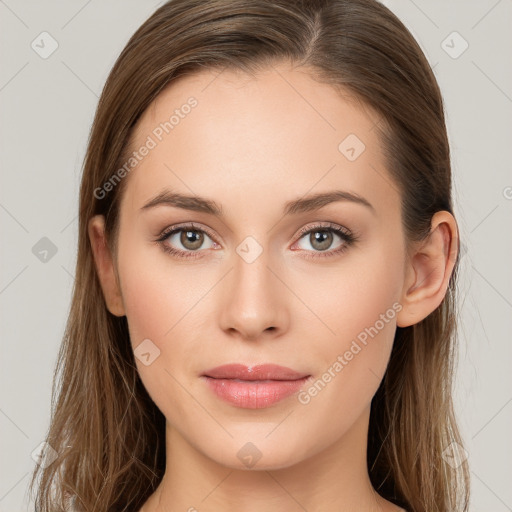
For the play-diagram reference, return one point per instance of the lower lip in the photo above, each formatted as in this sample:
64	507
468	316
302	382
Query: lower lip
254	394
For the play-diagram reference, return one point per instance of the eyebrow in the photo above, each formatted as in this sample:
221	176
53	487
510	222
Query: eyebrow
302	205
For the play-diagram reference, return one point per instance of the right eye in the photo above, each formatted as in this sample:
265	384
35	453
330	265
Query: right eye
190	237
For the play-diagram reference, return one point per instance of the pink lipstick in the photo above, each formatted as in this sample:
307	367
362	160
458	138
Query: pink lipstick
254	387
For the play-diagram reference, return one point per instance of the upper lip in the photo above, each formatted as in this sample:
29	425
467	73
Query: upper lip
258	372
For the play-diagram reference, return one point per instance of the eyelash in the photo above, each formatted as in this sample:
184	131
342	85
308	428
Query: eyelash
347	237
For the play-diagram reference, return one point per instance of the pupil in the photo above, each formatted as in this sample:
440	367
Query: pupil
191	239
323	238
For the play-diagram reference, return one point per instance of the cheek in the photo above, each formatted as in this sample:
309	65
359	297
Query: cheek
158	294
162	304
165	303
352	296
357	303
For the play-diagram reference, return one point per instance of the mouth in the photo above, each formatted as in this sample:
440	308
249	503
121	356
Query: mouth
254	387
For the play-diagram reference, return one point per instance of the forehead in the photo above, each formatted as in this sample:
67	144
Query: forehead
278	131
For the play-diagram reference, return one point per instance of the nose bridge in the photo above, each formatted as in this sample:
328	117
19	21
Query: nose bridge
253	297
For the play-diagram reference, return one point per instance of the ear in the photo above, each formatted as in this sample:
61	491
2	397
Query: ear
429	269
105	266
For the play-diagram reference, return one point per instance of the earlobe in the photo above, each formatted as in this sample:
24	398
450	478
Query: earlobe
105	266
429	269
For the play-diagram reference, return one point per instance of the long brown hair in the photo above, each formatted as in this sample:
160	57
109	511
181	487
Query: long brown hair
108	434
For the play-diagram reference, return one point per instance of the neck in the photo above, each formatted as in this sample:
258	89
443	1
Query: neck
334	479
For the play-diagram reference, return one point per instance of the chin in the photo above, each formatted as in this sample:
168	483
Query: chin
259	453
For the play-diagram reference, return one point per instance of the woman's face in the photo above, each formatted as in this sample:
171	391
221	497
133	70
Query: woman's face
249	285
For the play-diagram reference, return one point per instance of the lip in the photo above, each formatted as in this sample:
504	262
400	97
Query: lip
254	387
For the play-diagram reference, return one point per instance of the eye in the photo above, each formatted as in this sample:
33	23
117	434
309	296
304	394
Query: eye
190	237
321	237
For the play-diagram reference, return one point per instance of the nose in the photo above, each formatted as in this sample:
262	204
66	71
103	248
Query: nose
253	303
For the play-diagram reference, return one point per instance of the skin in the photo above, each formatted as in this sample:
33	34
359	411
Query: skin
251	144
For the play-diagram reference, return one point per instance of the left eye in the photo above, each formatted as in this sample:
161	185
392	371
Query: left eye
321	239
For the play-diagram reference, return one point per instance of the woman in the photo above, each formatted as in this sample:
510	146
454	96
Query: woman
263	312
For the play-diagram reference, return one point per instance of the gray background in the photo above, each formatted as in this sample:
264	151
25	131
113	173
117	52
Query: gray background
47	109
